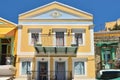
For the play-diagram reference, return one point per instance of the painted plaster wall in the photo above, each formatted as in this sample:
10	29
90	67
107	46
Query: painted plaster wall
45	30
53	6
90	68
26	49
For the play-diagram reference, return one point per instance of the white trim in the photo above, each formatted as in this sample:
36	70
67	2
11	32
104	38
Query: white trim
84	54
73	38
65	43
8	21
55	2
33	53
46	59
26	53
85	64
54	38
92	41
63	59
29	38
22	60
54	22
19	41
83	38
59	24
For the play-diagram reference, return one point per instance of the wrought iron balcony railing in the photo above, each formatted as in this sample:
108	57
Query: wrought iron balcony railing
54	44
7	59
49	75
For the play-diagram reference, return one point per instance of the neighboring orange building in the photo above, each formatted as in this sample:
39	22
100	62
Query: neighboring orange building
8	42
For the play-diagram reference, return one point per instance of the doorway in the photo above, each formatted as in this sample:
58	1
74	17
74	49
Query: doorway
42	71
3	54
60	71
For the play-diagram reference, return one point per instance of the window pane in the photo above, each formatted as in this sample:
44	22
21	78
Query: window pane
79	68
107	56
34	37
59	38
25	67
78	38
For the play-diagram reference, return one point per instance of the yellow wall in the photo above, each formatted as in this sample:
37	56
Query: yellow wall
54	6
90	65
49	40
110	25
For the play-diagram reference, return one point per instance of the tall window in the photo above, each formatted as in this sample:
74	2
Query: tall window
25	67
78	38
59	38
34	37
79	68
107	56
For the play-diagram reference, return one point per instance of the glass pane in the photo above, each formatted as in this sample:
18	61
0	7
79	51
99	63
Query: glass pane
59	38
25	67
34	37
107	56
78	38
79	68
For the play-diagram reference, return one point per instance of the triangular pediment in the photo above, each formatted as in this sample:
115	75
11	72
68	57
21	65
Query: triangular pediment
55	10
55	14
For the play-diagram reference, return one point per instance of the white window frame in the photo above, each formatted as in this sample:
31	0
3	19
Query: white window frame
24	60
83	38
54	39
30	39
79	60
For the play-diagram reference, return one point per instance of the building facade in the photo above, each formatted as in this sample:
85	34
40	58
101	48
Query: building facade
107	49
55	41
112	24
8	42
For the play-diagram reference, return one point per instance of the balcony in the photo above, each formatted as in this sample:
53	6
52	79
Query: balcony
49	44
7	59
49	75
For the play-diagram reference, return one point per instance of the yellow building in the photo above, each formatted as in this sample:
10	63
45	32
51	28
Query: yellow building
8	42
112	24
55	41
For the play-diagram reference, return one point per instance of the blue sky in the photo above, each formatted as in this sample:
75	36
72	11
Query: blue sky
102	10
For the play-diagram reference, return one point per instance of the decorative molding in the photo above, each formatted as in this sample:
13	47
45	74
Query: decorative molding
56	14
55	2
54	23
8	21
26	54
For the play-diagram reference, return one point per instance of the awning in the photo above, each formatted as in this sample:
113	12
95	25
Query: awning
57	50
100	44
7	32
